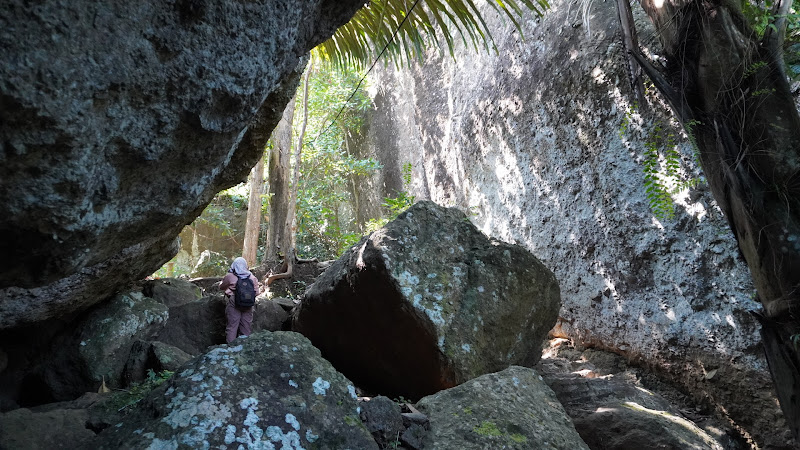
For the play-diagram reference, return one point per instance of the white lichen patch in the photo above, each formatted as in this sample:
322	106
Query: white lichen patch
321	386
288	441
292	420
352	390
408	282
311	437
160	444
293	383
466	348
196	416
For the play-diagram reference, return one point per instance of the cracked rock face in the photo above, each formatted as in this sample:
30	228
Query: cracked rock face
118	124
271	390
429	302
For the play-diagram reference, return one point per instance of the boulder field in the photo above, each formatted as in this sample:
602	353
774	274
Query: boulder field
458	355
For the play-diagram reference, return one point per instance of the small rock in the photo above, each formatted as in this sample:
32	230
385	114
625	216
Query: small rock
382	418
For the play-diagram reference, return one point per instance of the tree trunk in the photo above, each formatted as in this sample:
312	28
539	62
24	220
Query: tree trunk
253	223
289	238
732	95
279	184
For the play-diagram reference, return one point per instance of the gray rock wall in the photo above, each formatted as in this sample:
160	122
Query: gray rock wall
118	123
529	143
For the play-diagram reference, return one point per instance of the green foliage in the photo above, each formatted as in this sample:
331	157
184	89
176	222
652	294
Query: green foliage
662	166
122	399
177	269
216	214
359	42
393	206
761	18
327	169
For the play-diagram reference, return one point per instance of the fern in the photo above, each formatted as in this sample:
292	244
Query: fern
662	168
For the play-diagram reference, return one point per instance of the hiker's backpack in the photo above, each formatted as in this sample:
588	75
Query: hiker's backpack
245	294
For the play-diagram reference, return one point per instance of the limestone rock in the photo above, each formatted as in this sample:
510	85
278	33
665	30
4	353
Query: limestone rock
136	365
120	121
167	357
270	388
195	326
171	291
155	356
512	409
109	332
382	418
269	315
530	140
55	429
610	413
429	302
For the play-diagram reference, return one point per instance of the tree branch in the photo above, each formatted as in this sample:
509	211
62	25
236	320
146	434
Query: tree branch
673	97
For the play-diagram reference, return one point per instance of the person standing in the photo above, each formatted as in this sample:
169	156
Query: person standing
240	318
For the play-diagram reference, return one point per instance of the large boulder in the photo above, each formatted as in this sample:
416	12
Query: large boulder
271	390
428	302
512	409
107	334
97	349
62	426
120	121
195	326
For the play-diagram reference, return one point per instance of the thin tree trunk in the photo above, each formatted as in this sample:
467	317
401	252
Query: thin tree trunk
631	43
253	223
732	96
290	255
279	184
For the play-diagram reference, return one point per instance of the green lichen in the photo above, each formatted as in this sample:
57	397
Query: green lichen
352	421
518	438
467	410
487	428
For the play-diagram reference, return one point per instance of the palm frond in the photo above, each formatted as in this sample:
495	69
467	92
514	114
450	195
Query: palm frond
359	42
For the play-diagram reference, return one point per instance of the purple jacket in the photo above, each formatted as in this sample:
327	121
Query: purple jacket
228	285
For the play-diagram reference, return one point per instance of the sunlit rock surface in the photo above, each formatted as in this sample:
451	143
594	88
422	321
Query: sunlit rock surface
536	144
118	123
271	390
512	409
428	302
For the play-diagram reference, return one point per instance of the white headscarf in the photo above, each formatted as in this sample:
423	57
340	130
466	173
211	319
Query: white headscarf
239	268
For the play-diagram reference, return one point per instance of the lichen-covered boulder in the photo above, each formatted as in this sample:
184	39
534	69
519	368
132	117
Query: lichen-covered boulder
271	390
166	357
512	409
428	302
119	121
109	332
